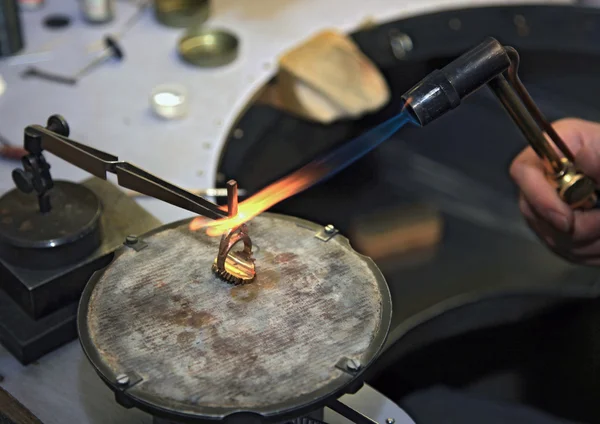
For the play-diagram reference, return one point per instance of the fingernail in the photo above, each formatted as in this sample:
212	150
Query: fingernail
560	221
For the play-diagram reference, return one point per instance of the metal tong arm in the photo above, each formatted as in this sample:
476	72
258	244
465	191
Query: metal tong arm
98	163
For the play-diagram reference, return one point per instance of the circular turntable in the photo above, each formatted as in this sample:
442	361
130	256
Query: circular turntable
171	338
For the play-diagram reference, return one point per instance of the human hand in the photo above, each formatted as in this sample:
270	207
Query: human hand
574	235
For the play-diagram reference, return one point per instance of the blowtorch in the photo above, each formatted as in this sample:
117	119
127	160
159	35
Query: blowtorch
487	64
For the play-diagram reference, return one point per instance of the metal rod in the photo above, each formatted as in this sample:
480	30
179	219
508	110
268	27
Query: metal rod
232	198
210	192
347	412
536	113
521	116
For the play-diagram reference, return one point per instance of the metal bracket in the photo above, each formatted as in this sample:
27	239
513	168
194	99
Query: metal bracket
123	382
350	413
327	233
135	243
349	365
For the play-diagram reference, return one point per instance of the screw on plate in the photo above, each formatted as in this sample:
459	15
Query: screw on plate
326	233
353	365
129	240
390	421
122	379
401	44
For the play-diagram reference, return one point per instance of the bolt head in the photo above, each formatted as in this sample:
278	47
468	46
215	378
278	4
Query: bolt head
122	379
401	44
353	365
329	229
131	240
390	421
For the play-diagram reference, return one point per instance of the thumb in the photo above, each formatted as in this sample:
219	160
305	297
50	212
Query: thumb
587	159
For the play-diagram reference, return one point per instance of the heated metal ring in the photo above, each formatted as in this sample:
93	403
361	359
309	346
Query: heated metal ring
235	267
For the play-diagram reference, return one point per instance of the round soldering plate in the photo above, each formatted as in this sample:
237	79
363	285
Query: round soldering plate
208	47
70	231
195	347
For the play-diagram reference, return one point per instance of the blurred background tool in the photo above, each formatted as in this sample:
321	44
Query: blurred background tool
182	13
11	35
327	78
112	50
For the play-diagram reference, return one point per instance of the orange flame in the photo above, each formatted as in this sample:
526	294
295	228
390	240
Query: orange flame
280	190
295	182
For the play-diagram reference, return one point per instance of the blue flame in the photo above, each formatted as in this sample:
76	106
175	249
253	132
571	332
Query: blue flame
351	151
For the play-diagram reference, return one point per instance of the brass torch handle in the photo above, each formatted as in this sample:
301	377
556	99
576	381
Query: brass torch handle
574	188
520	115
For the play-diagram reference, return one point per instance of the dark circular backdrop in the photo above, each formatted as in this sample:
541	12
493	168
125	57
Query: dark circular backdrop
458	164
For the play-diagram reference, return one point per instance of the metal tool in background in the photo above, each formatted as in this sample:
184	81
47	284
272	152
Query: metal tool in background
11	32
141	6
112	50
486	64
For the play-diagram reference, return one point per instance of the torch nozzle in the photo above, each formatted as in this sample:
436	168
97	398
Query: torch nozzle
444	89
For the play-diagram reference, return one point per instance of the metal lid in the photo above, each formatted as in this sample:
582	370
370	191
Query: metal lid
176	341
182	13
208	47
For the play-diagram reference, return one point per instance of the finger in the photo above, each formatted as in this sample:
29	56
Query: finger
587	160
586	227
529	174
587	251
543	230
570	131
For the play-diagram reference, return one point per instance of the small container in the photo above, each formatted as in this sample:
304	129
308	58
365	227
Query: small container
181	13
97	11
169	101
208	47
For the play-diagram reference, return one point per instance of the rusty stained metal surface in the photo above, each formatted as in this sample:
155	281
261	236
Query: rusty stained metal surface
199	342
